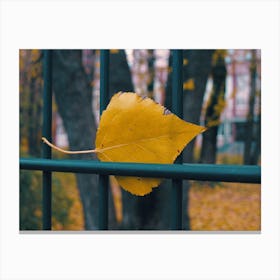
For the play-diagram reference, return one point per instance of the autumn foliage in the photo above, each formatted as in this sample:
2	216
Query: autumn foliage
135	129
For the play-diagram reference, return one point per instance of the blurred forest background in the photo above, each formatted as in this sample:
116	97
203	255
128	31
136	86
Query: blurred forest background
222	91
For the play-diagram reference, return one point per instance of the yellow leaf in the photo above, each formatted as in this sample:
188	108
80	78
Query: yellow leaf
136	129
189	84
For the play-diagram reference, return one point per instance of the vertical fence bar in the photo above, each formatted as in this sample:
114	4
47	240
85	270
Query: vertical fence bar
47	132
177	108
104	100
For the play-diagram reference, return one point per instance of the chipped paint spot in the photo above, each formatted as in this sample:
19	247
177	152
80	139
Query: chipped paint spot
166	112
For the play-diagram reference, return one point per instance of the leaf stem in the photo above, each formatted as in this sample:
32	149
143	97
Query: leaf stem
65	151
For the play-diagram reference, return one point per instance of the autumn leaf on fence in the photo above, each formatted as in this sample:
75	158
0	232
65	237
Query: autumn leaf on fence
136	129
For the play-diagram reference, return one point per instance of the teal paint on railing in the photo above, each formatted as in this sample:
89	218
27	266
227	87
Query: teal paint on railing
47	132
177	108
103	195
199	172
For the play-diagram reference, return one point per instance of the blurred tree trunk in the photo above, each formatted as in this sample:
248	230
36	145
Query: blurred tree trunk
151	69
215	106
74	101
120	76
197	67
248	148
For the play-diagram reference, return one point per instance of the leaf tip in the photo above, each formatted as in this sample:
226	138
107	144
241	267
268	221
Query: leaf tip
203	129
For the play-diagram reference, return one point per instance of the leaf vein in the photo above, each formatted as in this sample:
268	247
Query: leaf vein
133	142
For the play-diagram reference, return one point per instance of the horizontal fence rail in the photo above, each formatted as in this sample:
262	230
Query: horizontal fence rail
199	172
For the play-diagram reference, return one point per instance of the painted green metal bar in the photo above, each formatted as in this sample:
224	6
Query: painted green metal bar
177	108
47	132
104	100
199	172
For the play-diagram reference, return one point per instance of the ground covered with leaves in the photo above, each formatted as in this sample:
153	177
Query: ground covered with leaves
212	206
225	206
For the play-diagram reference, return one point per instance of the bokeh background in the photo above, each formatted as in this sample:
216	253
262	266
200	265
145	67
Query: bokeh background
222	91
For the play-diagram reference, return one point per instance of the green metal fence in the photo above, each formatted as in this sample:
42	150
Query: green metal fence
178	171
